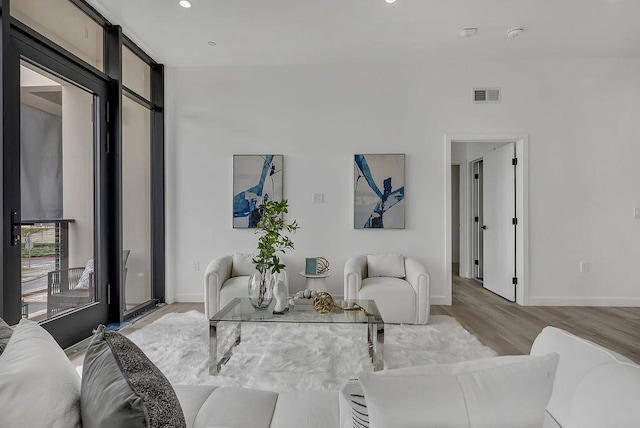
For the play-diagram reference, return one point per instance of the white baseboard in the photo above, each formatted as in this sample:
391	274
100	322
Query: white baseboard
583	301
189	298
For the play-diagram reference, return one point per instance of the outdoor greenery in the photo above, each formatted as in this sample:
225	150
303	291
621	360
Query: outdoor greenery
39	249
272	229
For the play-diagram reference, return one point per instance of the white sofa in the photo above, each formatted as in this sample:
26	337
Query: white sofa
226	278
398	284
593	388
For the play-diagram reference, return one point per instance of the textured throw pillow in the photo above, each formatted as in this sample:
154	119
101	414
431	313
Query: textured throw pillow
38	385
242	264
391	265
121	387
353	394
86	275
5	334
496	392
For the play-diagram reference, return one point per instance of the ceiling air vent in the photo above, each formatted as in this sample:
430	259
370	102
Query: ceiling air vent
486	95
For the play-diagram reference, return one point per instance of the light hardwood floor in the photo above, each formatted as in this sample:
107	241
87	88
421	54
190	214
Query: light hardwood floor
509	328
503	326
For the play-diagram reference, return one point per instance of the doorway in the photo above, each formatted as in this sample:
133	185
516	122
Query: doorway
455	219
468	151
55	267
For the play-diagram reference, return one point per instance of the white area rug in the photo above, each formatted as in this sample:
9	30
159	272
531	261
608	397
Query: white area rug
289	357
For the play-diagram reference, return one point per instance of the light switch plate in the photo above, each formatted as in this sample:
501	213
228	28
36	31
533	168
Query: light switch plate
318	198
584	267
636	212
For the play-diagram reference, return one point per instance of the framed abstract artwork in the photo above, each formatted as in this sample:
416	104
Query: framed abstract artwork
378	191
256	178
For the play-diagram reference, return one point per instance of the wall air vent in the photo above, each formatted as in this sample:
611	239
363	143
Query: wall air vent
486	95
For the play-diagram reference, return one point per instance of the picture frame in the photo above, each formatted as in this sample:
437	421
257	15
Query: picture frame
256	178
379	191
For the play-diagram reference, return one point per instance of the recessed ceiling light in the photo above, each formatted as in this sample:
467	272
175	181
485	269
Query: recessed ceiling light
390	1
515	32
185	4
211	43
468	32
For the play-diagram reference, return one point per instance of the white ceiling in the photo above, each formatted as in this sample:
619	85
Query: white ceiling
258	32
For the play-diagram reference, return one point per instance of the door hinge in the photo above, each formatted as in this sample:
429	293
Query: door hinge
108	294
107	143
514	221
476	219
476	176
476	262
514	281
108	112
514	161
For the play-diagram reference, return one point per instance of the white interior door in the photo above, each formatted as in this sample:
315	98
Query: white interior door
498	213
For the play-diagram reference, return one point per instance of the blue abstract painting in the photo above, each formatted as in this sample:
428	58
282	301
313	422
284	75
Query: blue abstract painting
256	178
379	191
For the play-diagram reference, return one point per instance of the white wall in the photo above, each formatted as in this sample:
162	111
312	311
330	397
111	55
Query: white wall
581	117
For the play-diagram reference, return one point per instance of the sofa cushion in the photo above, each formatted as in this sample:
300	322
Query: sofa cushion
122	387
5	334
391	265
495	392
242	264
308	409
608	396
395	298
237	407
577	357
191	398
237	286
38	385
85	279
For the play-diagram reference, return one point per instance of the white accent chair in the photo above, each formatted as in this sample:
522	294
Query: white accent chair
399	285
226	278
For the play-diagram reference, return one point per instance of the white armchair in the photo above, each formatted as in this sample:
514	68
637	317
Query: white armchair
399	285
226	278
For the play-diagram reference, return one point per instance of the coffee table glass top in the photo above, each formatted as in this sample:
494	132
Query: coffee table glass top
240	309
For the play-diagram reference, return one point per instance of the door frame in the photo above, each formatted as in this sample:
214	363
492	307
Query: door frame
522	210
78	324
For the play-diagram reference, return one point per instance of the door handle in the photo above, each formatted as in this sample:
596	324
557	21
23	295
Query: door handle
15	229
484	227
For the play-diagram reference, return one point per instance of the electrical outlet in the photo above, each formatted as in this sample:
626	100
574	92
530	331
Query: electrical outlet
584	267
195	266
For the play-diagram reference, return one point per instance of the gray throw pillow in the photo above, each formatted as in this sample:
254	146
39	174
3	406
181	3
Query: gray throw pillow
5	335
121	387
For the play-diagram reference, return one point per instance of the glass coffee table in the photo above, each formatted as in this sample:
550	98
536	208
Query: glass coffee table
240	310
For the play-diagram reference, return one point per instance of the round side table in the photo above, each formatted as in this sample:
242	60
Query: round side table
316	282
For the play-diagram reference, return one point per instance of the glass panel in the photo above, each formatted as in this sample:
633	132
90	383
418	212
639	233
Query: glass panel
136	74
241	310
57	194
136	202
63	23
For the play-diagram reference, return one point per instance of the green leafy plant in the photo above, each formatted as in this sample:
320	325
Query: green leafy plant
272	229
